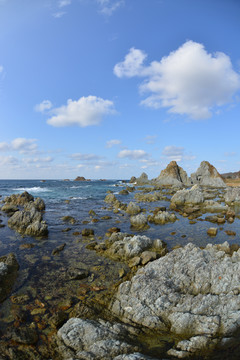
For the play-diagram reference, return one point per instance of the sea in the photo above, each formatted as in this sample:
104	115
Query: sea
42	276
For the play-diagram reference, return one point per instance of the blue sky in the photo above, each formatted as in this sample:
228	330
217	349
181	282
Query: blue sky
112	88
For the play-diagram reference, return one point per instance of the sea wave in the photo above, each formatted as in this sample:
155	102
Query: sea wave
32	189
78	198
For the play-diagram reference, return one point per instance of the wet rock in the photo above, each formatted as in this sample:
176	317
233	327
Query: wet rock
8	274
58	319
92	213
87	232
123	192
89	339
9	209
190	293
132	180
58	249
139	222
230	214
19	199
230	232
76	273
133	208
110	198
134	261
69	219
155	196
212	231
66	229
207	175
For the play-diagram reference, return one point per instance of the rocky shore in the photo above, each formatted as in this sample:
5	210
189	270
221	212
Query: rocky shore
138	297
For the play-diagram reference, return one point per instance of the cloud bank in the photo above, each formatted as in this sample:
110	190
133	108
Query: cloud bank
188	81
86	111
20	144
133	154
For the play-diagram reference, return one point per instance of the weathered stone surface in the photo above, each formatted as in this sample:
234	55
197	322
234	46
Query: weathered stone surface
207	175
212	231
87	232
28	222
232	195
110	198
214	206
8	273
191	293
126	247
139	222
191	196
89	339
27	217
9	209
133	208
162	217
143	179
173	175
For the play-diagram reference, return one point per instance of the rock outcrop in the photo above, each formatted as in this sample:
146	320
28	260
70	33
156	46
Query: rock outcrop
192	294
8	273
90	339
142	179
81	178
172	175
207	175
232	195
191	196
27	218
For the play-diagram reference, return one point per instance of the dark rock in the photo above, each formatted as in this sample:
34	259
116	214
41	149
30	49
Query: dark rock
87	232
77	274
58	249
25	335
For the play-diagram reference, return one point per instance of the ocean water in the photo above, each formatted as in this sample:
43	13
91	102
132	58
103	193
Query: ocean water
42	276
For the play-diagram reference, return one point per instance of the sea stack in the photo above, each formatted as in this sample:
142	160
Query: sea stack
173	175
207	175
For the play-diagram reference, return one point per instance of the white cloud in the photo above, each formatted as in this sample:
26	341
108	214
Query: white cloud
150	139
177	153
113	142
108	7
62	3
59	14
188	81
84	112
20	144
133	154
44	105
85	157
47	159
8	160
132	64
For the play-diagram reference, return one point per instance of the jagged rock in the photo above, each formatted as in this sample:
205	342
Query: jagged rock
232	195
19	199
89	339
132	180
156	196
28	222
8	274
142	179
123	247
191	196
9	209
207	175
139	222
190	293
133	209
172	175
110	198
162	217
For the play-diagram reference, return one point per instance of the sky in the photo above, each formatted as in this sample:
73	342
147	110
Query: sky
108	89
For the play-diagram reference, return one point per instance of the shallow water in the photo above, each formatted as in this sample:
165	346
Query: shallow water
42	276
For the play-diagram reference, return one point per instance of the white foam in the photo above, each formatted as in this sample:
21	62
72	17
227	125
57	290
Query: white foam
32	189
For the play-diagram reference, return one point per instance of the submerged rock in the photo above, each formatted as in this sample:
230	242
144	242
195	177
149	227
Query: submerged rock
8	274
189	293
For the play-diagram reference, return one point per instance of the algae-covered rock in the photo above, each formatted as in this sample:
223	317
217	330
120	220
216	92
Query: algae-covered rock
133	208
139	222
8	273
